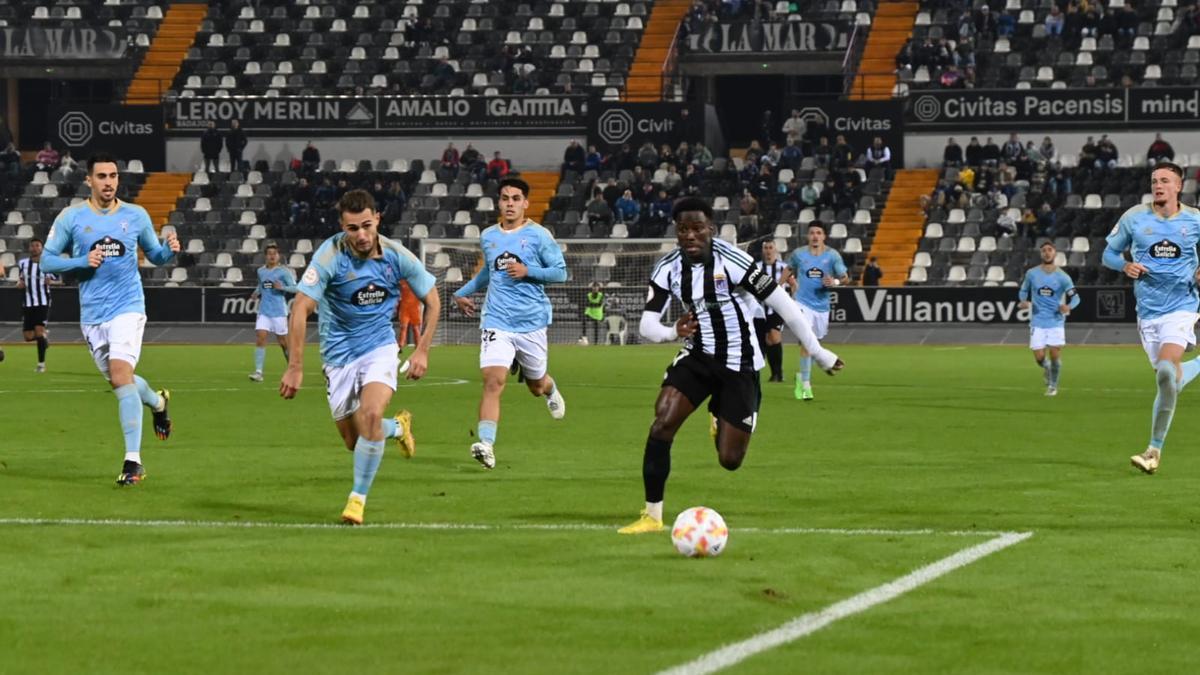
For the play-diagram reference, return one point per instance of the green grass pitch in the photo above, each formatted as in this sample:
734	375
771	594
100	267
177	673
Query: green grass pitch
939	438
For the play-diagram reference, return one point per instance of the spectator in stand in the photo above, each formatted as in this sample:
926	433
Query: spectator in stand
310	159
1058	183
624	159
1047	222
1028	225
1006	177
10	160
594	161
1048	152
395	203
702	157
1054	22
210	147
823	153
666	156
793	128
683	155
1006	25
443	74
301	201
766	129
791	156
964	54
235	145
843	153
772	157
660	208
471	158
647	156
599	213
497	168
966	176
754	152
1012	148
1160	150
789	195
810	196
693	180
672	182
974	152
951	78
450	157
952	155
1127	24
1087	154
763	183
325	195
872	273
985	22
67	164
628	210
574	158
1033	153
749	208
1106	154
991	153
1072	31
878	155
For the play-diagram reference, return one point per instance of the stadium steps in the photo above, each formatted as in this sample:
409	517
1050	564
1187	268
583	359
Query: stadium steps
890	28
542	186
645	81
900	226
160	193
161	64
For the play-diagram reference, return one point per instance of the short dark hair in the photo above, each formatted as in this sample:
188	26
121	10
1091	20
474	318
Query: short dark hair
817	223
100	158
270	245
1169	166
36	239
356	201
691	204
1047	242
516	183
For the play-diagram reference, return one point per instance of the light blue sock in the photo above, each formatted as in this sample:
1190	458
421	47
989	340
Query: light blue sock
367	456
1055	370
260	355
805	368
149	396
1190	370
487	431
1164	403
129	412
391	428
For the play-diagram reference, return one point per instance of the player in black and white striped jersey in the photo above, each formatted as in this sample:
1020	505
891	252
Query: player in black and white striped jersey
772	266
35	300
720	288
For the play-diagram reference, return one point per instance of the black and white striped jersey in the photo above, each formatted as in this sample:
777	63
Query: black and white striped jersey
37	287
724	294
775	271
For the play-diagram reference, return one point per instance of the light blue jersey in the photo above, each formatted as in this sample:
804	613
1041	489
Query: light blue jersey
1046	291
1167	248
115	287
273	286
517	305
358	297
810	271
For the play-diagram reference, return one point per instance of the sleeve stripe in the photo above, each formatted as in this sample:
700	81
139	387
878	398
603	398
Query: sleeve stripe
734	255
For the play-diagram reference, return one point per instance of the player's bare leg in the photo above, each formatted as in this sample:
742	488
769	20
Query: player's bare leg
671	409
546	387
483	450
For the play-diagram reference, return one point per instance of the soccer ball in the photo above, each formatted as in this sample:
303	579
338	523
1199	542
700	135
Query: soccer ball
699	532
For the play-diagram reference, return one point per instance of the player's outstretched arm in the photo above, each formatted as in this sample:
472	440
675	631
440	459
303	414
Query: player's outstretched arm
159	253
293	377
418	362
59	241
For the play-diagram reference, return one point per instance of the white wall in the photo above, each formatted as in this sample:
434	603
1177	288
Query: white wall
925	149
530	153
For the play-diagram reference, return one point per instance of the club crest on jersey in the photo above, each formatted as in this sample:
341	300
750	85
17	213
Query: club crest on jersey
111	248
1046	292
124	225
720	283
389	274
814	273
1165	249
504	259
369	295
310	276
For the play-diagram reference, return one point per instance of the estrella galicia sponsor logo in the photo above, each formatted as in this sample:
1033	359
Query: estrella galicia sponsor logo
1165	249
814	273
504	259
1046	292
111	248
369	295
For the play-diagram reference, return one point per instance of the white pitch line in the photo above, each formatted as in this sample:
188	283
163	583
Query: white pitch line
251	524
100	390
812	622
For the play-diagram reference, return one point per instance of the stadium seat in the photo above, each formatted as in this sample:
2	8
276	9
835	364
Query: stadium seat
966	245
917	275
957	274
853	245
728	233
922	259
297	260
933	231
454	275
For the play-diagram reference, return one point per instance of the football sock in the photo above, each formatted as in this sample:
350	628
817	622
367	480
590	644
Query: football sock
367	456
392	428
1164	403
1190	370
148	395
806	369
487	431
260	355
654	510
129	412
656	466
42	345
1055	369
775	359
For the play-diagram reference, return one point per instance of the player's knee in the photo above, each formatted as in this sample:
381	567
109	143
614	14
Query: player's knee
1165	373
663	429
493	385
731	459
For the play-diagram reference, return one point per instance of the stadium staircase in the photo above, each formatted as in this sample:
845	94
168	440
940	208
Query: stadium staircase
900	226
891	27
645	74
160	193
175	35
542	186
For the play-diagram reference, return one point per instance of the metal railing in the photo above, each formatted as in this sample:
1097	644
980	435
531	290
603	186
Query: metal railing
670	69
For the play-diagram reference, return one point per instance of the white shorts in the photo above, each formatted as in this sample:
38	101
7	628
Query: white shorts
1040	338
500	347
1176	328
344	384
817	321
272	324
119	338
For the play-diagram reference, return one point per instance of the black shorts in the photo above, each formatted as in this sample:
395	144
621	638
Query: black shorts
735	395
33	317
774	321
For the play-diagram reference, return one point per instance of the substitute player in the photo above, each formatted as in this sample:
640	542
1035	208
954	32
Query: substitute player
355	278
274	283
520	257
772	337
1050	295
35	301
1160	238
813	270
409	315
102	235
719	287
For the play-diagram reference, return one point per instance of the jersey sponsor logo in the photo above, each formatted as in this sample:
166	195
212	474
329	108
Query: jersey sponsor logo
504	259
310	276
111	248
814	273
369	295
268	284
1046	292
1165	249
